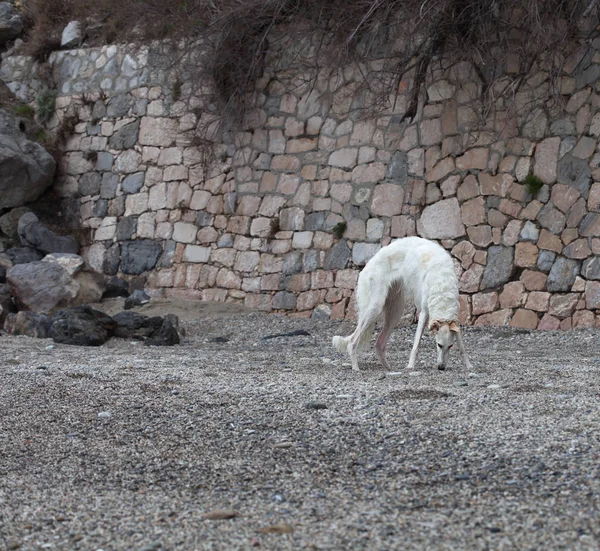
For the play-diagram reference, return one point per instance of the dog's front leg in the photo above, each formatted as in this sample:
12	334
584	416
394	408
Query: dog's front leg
415	349
463	351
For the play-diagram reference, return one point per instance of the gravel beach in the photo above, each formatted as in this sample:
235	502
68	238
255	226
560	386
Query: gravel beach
130	447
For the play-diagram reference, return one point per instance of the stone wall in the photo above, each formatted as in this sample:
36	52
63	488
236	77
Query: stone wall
261	225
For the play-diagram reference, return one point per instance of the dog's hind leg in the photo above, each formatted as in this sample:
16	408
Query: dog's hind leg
463	351
415	349
364	330
392	312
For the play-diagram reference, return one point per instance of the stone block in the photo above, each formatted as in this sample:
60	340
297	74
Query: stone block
363	252
562	275
499	267
498	318
184	232
441	220
484	303
387	200
545	159
473	212
538	301
525	319
513	295
592	295
526	255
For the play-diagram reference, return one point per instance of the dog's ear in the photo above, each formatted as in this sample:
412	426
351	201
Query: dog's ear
454	327
434	326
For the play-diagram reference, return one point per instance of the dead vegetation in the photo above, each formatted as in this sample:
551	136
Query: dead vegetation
397	45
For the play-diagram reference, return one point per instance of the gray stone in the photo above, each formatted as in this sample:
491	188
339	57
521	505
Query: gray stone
590	225
567	144
562	127
126	227
112	260
28	324
89	184
321	312
26	170
591	268
109	185
72	263
562	275
139	256
552	219
41	287
72	36
126	137
104	161
363	252
545	260
35	234
9	222
119	106
137	298
292	263
99	111
140	107
100	208
315	221
499	267
225	241
398	168
590	75
530	232
133	183
11	23
169	254
23	255
575	173
82	326
284	300
291	219
312	260
337	257
204	219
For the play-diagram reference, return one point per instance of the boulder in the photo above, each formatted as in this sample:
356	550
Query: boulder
116	287
81	326
41	287
72	35
26	170
165	335
131	325
6	303
137	298
35	234
11	23
23	255
73	263
9	222
29	324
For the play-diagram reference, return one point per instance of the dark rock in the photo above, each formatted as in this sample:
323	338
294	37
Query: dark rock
2	274
100	208
139	256
165	335
137	284
292	263
109	185
337	257
104	161
312	260
296	333
41	287
591	268
35	234
9	222
137	298
99	110
283	300
398	168
7	305
112	259
133	183
116	287
545	260
126	228
23	255
26	170
28	324
126	137
316	405
119	106
315	221
89	184
169	254
131	325
562	275
11	22
220	340
81	326
575	173
499	267
552	219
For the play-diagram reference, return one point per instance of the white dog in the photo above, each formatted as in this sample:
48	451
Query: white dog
407	267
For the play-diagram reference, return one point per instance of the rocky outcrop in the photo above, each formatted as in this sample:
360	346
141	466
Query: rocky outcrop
36	235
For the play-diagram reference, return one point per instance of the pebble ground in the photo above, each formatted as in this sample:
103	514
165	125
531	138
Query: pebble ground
138	448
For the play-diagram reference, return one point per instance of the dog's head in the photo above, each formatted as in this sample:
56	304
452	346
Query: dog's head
445	335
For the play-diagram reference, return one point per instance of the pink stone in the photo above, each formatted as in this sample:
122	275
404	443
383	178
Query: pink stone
480	236
468	189
531	211
260	302
549	323
583	318
471	278
526	255
308	300
498	318
546	159
484	303
499	185
533	281
346	279
476	158
403	226
387	200
563	305
440	170
496	219
563	196
594	197
525	319
450	185
513	295
510	208
464	311
441	220
578	249
285	163
369	173
473	212
538	301
549	241
511	233
430	131
592	295
248	205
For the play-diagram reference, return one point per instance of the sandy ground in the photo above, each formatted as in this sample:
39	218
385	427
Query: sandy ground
128	447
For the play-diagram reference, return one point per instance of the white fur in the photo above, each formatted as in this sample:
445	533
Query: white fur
409	267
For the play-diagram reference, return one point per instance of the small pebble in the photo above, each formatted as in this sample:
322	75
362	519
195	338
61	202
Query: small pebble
283	445
105	415
414	374
316	405
151	546
493	386
344	396
459	382
395	373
